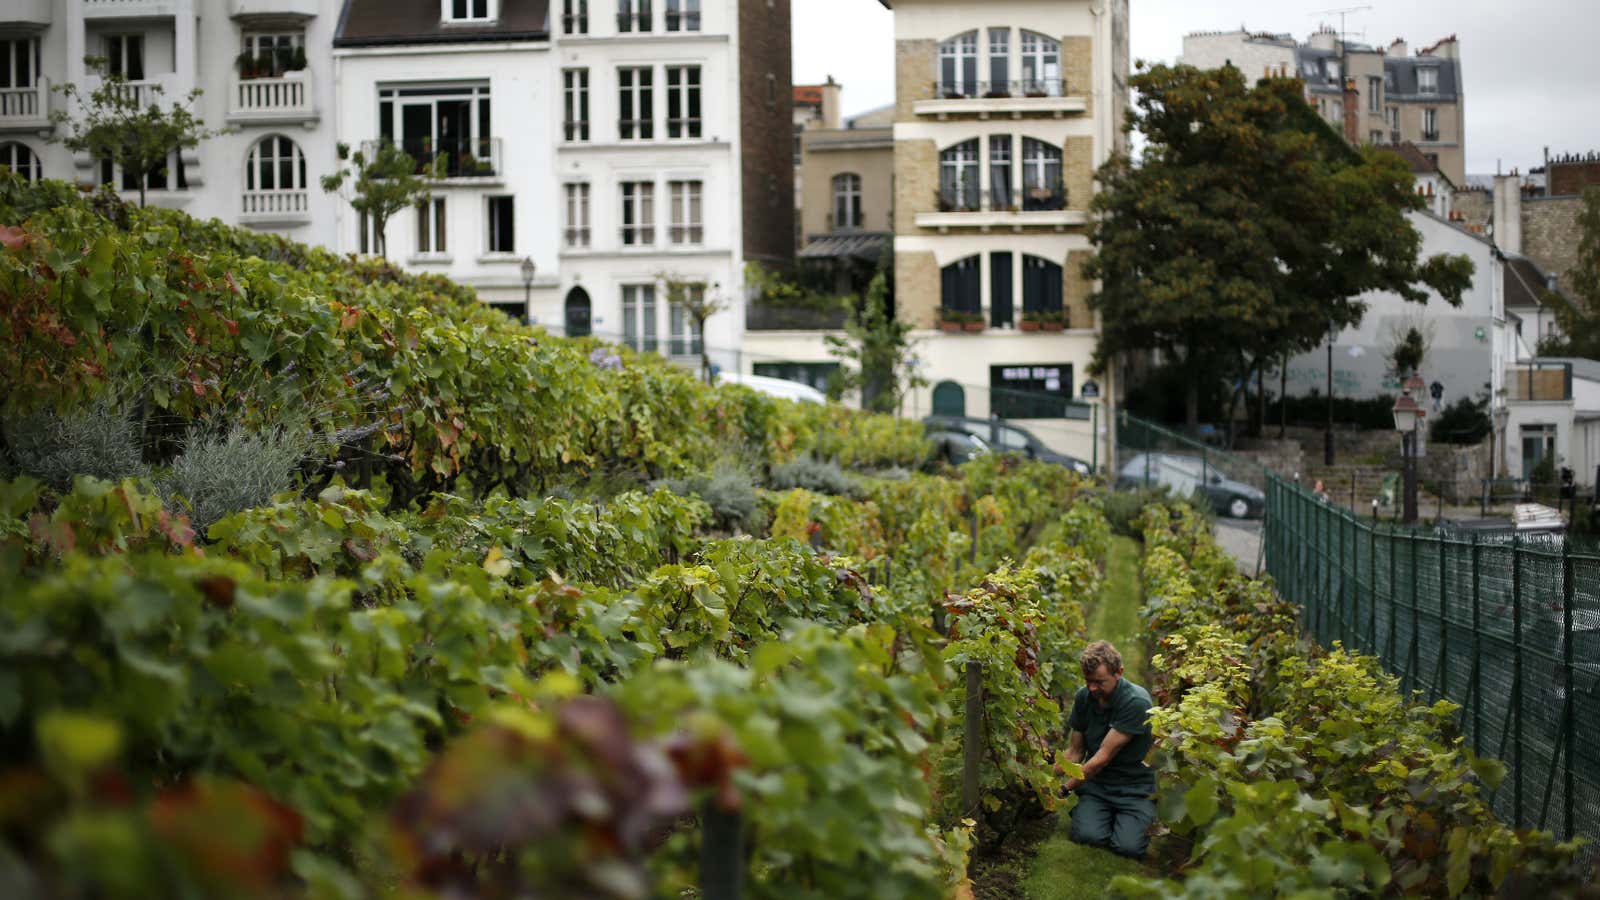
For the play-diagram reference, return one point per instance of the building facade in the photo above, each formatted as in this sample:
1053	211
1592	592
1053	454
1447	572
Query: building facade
1373	95
264	67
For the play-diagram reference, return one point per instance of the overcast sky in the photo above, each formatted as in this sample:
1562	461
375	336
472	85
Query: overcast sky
1531	80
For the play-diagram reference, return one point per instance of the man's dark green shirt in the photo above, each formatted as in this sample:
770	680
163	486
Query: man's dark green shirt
1127	712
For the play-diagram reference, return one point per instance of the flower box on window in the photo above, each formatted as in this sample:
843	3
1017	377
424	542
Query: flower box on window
952	321
1044	320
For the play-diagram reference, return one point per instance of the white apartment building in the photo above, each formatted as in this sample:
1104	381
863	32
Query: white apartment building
263	66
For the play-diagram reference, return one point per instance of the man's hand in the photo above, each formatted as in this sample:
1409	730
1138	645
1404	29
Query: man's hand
1072	785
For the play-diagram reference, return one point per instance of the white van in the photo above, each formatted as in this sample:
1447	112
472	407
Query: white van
775	387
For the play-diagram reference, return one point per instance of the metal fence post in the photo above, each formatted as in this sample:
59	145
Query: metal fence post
1344	617
1393	599
721	854
1568	589
1477	649
1372	587
1516	674
972	743
1444	624
1416	619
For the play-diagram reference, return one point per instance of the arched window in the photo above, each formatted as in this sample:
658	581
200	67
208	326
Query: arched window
1042	188
578	310
20	160
959	179
846	201
958	66
276	164
1041	285
959	286
1041	65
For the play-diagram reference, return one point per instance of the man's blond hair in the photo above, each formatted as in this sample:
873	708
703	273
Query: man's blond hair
1097	654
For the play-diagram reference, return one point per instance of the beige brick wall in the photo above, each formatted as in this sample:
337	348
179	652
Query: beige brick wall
1477	206
1077	169
914	63
916	289
1550	234
916	179
1077	66
1075	290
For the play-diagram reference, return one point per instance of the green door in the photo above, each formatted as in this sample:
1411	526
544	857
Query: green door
949	399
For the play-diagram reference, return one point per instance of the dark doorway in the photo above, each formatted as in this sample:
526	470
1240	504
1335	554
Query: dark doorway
949	399
579	323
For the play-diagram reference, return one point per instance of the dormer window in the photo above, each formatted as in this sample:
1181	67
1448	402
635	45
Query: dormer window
473	12
1427	80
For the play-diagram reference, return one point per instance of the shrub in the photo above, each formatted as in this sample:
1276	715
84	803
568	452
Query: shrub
813	475
1125	508
100	441
217	475
1465	421
729	490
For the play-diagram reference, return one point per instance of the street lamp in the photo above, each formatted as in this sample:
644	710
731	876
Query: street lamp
529	269
1406	415
1327	436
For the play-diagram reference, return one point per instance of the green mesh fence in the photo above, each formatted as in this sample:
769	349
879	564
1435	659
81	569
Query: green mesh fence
1507	626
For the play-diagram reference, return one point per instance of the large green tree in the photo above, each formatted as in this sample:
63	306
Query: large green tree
1578	314
1246	229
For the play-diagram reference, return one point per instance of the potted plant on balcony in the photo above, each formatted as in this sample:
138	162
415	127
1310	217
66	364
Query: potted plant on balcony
973	323
297	64
246	63
1031	321
1052	320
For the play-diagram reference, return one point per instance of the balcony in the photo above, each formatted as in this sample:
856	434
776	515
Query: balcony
273	101
161	90
462	160
25	109
985	99
278	9
1034	206
275	208
129	9
26	13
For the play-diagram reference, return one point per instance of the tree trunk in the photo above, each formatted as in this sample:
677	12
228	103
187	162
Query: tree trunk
1191	402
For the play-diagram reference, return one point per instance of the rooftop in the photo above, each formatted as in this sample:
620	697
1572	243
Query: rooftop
378	23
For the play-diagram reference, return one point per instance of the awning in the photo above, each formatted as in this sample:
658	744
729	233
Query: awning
865	246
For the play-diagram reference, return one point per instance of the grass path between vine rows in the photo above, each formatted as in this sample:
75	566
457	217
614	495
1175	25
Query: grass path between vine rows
1063	870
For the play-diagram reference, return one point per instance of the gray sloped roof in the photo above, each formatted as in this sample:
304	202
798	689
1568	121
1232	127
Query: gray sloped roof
377	23
1401	78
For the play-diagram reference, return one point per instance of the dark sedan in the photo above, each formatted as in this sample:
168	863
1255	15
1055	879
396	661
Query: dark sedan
1186	476
1005	438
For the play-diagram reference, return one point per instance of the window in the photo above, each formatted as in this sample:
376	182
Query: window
999	62
367	238
958	66
637	106
275	164
683	15
1333	70
1041	65
1000	172
1042	188
846	201
469	10
639	317
959	289
958	178
1001	305
577	233
576	106
575	16
1338	110
272	54
1376	138
813	374
1430	124
633	15
1041	285
638	213
1394	118
1427	80
19	68
124	55
1375	95
685	333
683	101
430	226
1028	392
20	160
434	121
502	214
687	224
156	180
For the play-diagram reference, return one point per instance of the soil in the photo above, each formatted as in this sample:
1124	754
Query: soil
997	873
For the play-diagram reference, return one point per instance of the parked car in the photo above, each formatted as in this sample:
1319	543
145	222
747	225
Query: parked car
1188	475
1005	438
775	387
956	447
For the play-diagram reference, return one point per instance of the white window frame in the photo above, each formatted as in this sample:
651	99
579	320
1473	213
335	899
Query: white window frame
1374	95
492	225
684	84
1430	123
577	233
640	328
25	65
575	12
955	53
686	200
685	14
962	159
491	9
636	98
253	180
257	42
115	48
847	212
1427	80
1040	61
638	205
635	16
111	175
999	52
575	110
683	334
28	166
432	222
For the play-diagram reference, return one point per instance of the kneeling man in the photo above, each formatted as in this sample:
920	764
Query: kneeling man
1110	731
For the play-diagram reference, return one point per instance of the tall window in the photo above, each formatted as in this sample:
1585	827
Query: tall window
1041	285
639	317
1394	118
431	226
1042	188
446	121
502	214
1427	80
1000	171
638	213
633	15
124	55
846	201
683	15
469	10
1430	124
273	53
1000	61
683	101
960	290
575	16
958	178
1041	65
636	108
166	177
20	160
1375	95
688	226
19	68
577	231
685	332
275	164
958	66
576	105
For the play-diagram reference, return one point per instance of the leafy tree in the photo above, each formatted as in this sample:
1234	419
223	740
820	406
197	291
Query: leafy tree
875	352
1578	314
113	124
380	187
1246	229
699	304
1408	352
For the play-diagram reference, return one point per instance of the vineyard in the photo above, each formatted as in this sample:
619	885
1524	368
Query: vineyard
321	579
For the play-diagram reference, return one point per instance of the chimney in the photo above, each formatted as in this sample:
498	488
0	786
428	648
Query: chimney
1508	213
1398	49
1352	112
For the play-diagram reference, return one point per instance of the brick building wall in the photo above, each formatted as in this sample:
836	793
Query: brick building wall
1476	206
916	289
1550	234
1571	178
914	67
766	129
916	181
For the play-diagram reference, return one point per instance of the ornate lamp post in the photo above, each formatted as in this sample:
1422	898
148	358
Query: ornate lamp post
529	269
1407	416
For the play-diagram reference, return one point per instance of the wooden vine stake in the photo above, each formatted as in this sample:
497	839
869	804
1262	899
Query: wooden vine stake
721	854
972	744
